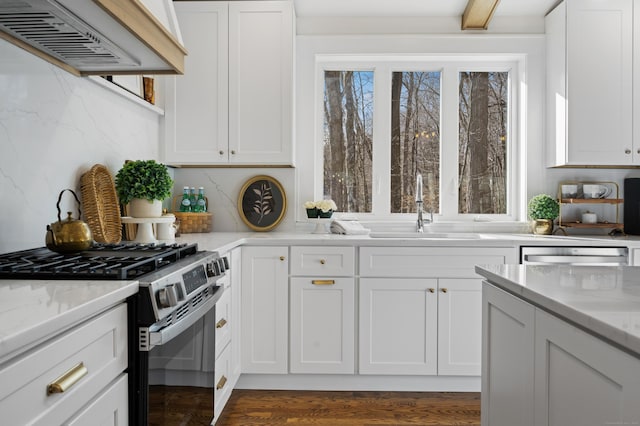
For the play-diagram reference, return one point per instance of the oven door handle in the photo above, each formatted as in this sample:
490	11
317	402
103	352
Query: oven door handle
148	338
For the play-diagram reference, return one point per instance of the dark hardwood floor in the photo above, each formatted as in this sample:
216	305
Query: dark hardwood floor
254	408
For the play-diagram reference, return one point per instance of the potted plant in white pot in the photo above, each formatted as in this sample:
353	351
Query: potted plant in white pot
543	210
143	184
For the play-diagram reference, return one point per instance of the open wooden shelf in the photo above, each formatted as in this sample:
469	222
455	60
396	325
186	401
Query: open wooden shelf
591	201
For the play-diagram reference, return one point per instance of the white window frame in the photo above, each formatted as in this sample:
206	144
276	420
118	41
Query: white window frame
383	66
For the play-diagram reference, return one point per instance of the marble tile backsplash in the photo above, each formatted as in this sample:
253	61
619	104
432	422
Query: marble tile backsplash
54	127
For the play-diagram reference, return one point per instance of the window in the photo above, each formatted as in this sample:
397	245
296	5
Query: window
386	121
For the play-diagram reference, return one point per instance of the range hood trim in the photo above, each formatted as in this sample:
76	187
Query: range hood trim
139	23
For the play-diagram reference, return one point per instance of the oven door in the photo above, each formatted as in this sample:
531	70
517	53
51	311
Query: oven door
178	372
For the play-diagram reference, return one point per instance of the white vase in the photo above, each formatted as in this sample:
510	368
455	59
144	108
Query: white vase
139	207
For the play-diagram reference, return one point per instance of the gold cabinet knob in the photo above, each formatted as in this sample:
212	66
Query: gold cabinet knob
432	290
221	323
627	151
444	290
322	261
221	152
233	152
282	258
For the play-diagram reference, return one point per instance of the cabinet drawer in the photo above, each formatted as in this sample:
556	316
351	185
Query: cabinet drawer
441	262
223	321
99	344
322	261
222	381
110	408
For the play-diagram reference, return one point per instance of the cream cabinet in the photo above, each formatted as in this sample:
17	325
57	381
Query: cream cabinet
589	47
234	104
95	353
420	309
265	309
322	306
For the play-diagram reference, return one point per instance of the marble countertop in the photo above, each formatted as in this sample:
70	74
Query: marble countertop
225	241
32	311
603	300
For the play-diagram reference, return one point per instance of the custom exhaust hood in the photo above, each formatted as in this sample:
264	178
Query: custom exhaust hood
94	37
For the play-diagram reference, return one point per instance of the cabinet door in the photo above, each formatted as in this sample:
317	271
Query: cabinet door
459	326
260	82
265	307
598	74
581	380
507	359
322	325
398	326
196	107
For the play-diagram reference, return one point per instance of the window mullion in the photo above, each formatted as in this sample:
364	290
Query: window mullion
449	143
382	140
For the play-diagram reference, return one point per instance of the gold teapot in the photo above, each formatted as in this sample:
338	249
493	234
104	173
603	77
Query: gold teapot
69	235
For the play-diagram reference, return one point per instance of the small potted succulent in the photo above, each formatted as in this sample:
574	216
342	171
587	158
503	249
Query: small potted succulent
542	210
143	184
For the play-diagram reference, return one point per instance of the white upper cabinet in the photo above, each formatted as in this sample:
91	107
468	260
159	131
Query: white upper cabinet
234	104
589	45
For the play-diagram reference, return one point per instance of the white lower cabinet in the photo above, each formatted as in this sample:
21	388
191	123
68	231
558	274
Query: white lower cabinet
459	326
398	326
540	370
97	348
420	309
265	310
322	325
507	359
580	379
322	310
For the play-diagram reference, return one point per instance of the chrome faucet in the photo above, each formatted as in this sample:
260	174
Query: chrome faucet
421	221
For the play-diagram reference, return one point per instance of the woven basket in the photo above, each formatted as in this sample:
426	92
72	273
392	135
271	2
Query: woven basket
100	205
191	223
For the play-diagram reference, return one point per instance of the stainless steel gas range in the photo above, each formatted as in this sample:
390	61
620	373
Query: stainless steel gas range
179	287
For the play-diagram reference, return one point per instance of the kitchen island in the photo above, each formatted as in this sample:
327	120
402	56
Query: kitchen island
560	345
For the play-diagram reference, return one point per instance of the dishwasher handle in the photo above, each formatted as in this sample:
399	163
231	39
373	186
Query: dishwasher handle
554	259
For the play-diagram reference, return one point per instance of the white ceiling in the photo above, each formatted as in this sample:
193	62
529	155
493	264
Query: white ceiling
310	8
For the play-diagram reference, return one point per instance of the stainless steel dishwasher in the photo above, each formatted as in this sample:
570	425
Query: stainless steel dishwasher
560	255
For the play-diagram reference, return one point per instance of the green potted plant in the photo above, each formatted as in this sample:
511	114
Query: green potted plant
543	210
143	184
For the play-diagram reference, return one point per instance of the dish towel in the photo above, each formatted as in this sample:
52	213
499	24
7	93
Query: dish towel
348	227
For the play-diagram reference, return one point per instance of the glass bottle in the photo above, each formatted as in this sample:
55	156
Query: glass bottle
193	199
185	205
201	205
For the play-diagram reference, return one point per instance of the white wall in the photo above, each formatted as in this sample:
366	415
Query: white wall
54	127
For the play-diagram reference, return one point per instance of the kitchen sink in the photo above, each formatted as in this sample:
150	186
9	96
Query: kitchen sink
430	235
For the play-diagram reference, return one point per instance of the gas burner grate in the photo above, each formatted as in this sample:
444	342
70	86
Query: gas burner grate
100	262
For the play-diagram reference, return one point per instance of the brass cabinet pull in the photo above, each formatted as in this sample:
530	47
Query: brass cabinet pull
221	152
282	258
68	379
444	290
221	323
627	151
323	282
221	383
322	261
233	152
431	290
